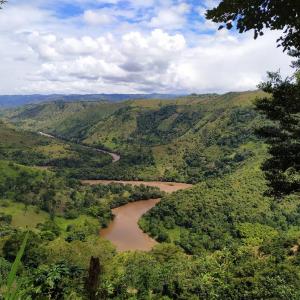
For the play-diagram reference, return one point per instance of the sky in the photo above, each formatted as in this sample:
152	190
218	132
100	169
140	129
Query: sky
128	46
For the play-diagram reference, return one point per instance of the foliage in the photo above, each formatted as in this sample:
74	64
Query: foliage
63	118
57	281
212	215
5	267
163	125
282	135
222	239
12	292
34	150
261	14
2	2
34	253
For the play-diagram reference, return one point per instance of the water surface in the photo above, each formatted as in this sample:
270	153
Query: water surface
124	231
168	187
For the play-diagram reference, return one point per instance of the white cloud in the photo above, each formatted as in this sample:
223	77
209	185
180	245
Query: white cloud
98	17
173	17
158	61
136	52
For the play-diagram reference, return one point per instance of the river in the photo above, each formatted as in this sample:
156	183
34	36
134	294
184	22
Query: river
168	187
124	231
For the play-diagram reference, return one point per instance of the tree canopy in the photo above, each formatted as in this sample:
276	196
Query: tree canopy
282	169
259	15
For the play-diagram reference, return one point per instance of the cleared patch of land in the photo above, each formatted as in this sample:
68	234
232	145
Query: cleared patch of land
22	216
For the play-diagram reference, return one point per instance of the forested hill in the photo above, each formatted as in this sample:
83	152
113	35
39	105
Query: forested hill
185	139
32	149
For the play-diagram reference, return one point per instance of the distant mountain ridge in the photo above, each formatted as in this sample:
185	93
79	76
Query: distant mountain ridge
8	101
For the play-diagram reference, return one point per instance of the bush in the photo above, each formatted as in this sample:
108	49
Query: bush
71	214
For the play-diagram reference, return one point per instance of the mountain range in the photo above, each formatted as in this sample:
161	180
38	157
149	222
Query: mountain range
7	101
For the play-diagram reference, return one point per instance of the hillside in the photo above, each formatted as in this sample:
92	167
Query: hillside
67	119
221	211
185	139
32	149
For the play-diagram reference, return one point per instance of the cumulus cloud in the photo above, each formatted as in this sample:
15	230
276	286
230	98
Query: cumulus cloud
173	17
157	61
148	46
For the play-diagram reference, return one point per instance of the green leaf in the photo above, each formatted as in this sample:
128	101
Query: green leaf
13	272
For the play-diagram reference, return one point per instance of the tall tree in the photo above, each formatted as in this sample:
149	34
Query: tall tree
282	169
282	109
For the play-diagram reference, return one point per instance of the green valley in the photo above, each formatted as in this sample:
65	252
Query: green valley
129	171
221	230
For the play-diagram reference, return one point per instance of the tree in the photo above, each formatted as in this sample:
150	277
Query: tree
34	253
282	169
258	15
57	281
282	110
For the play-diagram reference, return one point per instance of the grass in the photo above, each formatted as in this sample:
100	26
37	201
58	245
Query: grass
12	292
6	171
56	150
64	223
31	217
21	217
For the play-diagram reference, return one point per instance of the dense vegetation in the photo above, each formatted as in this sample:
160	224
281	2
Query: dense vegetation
67	119
282	168
220	240
58	195
188	139
250	249
214	213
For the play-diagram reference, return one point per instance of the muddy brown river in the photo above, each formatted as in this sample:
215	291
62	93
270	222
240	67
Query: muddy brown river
124	231
168	187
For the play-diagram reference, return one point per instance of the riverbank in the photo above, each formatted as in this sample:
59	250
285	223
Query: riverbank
168	187
124	231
